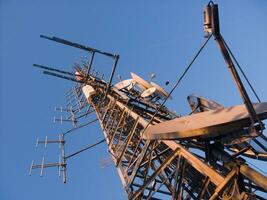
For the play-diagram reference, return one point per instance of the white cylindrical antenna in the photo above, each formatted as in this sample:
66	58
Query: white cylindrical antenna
45	141
59	165
30	172
37	142
42	167
59	141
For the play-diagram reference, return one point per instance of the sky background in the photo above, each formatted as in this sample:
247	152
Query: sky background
151	37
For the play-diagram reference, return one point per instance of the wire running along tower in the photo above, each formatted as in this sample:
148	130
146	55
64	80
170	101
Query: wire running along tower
158	154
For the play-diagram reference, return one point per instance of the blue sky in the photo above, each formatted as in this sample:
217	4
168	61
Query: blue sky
151	37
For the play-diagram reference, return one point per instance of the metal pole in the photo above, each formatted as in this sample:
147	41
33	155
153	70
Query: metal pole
211	25
90	66
76	45
238	82
112	74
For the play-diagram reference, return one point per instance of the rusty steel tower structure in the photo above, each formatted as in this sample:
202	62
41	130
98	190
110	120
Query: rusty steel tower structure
207	164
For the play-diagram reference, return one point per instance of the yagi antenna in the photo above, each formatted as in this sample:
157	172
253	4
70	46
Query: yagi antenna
61	109
61	120
52	69
71	118
75	106
61	164
79	46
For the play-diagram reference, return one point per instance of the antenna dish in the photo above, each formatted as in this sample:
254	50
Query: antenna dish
127	84
200	104
148	92
159	89
143	84
206	124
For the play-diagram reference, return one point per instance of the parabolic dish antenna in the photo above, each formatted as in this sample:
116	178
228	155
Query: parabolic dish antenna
148	92
160	90
143	84
205	124
127	84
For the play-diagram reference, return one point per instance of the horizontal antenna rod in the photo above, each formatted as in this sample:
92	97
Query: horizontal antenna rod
62	76
57	70
71	78
53	69
76	45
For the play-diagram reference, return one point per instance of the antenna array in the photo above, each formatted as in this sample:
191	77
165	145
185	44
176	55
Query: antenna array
158	166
